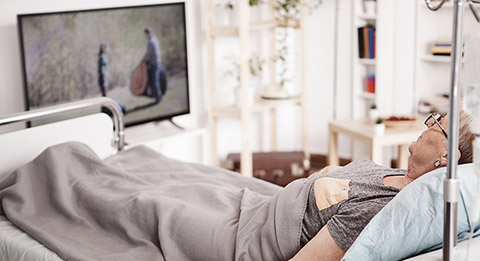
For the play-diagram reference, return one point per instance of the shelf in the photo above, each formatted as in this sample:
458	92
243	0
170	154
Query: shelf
260	105
267	26
367	17
271	103
226	31
435	58
367	95
290	23
262	25
232	31
367	61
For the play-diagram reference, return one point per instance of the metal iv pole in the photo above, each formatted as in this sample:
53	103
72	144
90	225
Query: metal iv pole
451	185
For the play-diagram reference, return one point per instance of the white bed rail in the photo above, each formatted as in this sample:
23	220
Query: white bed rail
118	119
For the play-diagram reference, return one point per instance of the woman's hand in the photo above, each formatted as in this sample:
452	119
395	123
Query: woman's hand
326	170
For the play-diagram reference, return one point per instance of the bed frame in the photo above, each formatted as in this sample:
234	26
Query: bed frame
71	107
19	147
22	146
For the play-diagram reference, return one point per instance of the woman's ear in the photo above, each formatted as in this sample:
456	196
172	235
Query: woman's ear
443	160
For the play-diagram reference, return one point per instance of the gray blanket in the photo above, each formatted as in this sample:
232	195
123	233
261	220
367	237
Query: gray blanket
140	205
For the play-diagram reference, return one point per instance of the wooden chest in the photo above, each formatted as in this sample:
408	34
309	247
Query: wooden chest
279	168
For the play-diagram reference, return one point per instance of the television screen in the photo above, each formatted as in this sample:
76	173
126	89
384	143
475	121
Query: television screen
135	55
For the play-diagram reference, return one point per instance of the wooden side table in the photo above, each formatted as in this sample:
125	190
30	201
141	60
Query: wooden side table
363	130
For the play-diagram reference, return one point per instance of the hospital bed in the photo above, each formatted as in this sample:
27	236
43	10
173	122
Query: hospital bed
166	230
105	138
19	147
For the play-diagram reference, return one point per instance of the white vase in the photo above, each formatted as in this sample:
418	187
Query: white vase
373	114
274	93
225	16
370	7
379	129
250	96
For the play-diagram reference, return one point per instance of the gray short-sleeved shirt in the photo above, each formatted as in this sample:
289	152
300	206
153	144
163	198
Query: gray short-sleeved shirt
346	200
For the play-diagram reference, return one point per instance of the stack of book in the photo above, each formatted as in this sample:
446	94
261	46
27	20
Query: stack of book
441	47
366	42
370	83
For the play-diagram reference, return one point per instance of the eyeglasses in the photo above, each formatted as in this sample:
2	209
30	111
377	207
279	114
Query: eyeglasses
435	118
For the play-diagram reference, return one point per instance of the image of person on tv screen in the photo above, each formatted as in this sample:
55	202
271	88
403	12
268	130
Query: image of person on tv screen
103	73
153	62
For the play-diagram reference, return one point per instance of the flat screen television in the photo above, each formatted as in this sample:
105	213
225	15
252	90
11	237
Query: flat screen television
136	55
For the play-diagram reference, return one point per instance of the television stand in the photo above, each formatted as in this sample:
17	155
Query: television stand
176	125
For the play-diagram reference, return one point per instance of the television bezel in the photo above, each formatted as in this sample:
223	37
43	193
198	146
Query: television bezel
153	119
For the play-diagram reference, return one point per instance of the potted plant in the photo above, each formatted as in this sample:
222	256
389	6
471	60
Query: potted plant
285	11
278	90
370	7
230	17
379	127
256	64
373	112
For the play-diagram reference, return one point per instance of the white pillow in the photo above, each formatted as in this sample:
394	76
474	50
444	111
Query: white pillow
412	222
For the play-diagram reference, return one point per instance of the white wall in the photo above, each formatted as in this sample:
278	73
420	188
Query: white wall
330	89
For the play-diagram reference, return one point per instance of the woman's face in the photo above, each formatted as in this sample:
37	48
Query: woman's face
429	147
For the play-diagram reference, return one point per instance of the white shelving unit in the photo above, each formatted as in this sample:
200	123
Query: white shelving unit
433	72
243	113
367	96
381	66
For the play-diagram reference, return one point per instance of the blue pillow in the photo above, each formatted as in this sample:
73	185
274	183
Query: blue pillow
412	223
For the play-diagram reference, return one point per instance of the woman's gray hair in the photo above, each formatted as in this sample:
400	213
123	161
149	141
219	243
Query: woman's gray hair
465	138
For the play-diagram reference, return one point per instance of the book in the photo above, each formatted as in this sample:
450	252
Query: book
361	50
370	83
441	50
371	32
365	42
438	44
442	47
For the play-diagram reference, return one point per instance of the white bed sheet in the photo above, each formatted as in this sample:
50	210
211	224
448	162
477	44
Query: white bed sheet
460	253
17	245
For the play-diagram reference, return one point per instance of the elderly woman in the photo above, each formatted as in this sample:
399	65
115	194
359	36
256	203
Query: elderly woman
139	205
343	200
